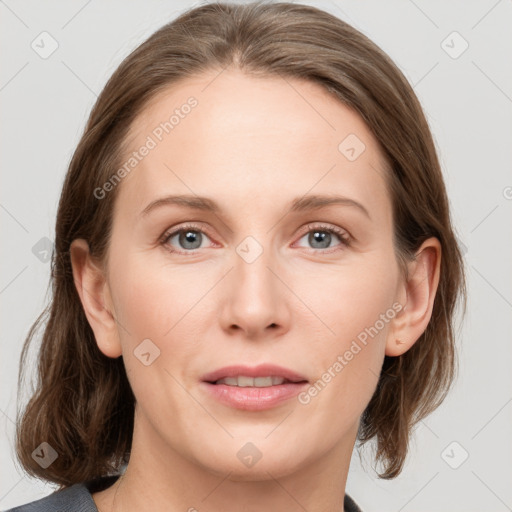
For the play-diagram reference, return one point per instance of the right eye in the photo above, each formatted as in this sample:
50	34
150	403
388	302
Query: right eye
188	238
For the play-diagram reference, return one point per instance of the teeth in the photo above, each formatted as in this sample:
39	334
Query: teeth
243	381
262	382
230	381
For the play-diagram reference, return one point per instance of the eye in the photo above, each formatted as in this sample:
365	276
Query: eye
188	238
321	236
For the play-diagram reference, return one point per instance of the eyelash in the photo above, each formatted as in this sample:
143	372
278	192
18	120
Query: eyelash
345	239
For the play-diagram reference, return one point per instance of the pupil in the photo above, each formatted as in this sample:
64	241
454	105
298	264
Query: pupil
322	236
188	238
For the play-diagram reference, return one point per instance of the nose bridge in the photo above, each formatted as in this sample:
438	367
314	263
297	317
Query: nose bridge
255	298
251	270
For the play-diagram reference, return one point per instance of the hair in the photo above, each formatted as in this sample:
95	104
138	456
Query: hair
83	405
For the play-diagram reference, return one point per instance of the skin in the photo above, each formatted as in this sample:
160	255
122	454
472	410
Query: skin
252	145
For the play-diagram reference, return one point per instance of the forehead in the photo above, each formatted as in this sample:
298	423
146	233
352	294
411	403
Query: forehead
227	132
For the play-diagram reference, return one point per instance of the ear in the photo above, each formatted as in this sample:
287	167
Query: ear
419	291
96	300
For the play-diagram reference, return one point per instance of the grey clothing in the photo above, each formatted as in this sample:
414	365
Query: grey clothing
78	498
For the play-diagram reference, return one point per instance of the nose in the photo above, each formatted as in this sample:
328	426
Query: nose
254	299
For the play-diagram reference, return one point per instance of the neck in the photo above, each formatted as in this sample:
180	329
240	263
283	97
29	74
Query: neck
159	478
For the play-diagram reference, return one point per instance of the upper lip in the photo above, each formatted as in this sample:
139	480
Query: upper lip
262	370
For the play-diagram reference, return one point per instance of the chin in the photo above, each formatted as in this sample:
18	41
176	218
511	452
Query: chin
241	468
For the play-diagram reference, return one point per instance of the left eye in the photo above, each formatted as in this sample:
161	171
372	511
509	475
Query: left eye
321	238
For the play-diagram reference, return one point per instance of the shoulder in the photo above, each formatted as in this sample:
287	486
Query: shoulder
76	498
350	505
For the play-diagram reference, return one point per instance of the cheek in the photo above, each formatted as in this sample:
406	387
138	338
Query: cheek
355	306
151	297
351	298
154	301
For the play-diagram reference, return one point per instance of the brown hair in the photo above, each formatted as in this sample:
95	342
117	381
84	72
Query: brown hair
83	405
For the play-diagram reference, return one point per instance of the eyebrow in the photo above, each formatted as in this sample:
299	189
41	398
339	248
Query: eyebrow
299	204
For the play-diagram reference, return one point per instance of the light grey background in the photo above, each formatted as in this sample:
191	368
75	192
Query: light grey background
468	101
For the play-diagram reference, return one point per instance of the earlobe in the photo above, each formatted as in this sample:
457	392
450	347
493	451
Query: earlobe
94	293
420	290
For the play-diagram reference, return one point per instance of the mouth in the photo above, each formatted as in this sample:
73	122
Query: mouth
254	389
244	381
264	375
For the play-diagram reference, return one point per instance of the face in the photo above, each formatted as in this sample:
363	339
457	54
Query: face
269	276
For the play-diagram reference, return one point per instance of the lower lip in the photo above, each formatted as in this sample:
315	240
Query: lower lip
251	398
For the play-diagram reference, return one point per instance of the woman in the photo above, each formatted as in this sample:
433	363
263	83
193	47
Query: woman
254	268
